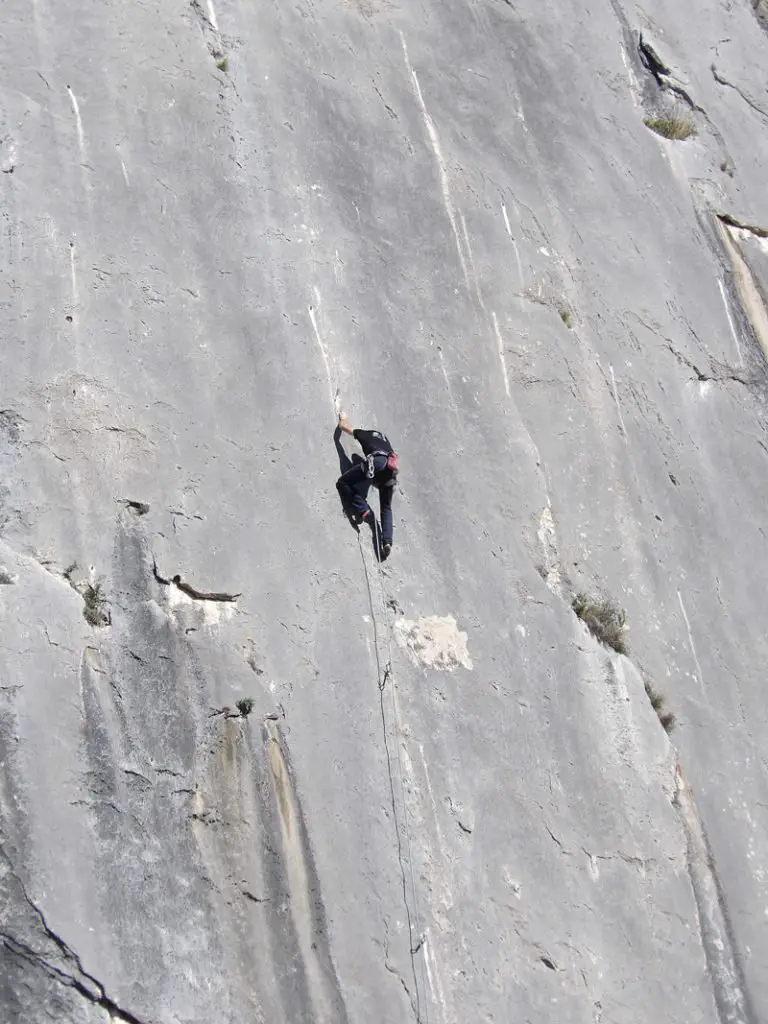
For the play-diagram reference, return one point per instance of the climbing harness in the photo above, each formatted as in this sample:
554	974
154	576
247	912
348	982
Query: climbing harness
391	467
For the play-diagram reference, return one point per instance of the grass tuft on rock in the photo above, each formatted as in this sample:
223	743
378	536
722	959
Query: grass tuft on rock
604	620
244	706
95	610
566	317
671	126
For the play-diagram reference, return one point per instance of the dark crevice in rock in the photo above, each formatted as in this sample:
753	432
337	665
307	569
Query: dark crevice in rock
652	62
721	953
139	507
77	978
719	374
255	899
136	775
731	222
199	595
190	591
662	75
98	998
176	514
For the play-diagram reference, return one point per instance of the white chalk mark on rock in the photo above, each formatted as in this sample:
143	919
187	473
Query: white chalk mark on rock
433	976
212	16
519	271
442	171
502	360
465	233
434	641
338	268
78	122
548	540
125	173
324	352
731	324
630	74
506	219
692	645
517	253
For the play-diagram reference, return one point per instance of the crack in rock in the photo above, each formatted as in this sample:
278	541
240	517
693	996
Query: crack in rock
719	376
720	950
139	507
190	591
80	980
652	62
664	76
731	222
255	899
750	102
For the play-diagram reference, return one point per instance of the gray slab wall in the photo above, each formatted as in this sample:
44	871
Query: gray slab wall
223	222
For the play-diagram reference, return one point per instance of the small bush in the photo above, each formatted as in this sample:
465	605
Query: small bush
658	701
669	720
604	620
95	610
671	126
244	706
565	316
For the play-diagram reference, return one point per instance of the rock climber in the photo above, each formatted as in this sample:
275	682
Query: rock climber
379	467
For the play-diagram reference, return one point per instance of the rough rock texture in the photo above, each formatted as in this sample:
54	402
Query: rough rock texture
449	803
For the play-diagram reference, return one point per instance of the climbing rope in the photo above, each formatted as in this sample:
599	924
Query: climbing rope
384	677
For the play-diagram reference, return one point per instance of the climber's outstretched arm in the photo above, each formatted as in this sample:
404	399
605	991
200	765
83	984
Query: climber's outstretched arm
344	425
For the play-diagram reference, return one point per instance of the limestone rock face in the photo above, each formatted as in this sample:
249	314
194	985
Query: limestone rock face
247	772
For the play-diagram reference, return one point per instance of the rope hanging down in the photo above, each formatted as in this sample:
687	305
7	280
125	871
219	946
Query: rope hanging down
403	856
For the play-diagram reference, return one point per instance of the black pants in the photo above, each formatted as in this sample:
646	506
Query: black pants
353	490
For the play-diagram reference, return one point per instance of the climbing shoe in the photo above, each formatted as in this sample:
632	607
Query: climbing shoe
386	550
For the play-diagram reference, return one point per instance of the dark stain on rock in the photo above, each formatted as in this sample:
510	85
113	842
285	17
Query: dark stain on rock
324	999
